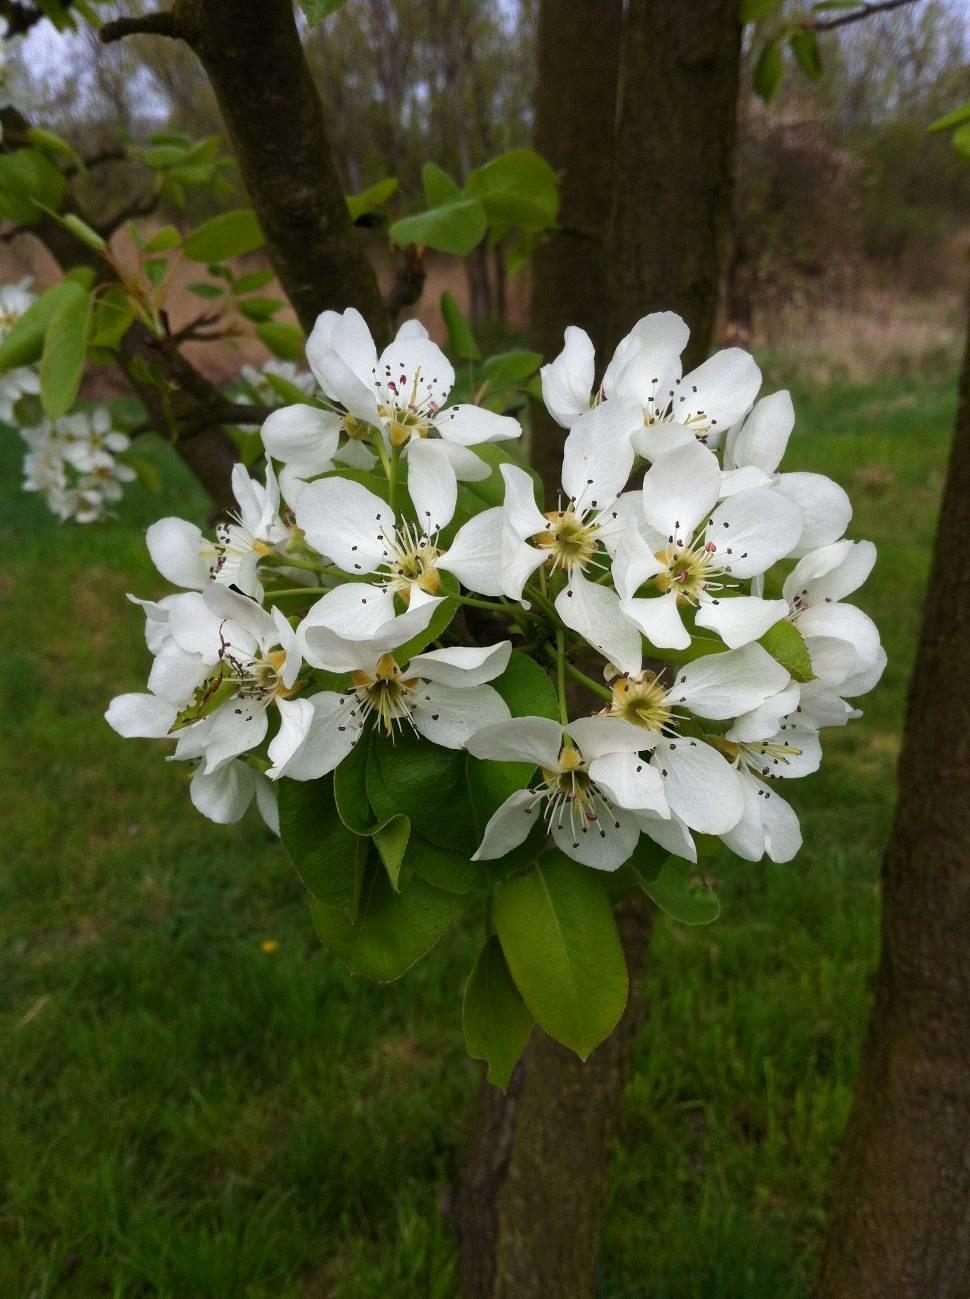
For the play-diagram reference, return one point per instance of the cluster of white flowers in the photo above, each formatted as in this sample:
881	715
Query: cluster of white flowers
650	585
255	386
25	380
73	463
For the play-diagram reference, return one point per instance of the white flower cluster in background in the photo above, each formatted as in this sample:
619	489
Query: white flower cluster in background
25	380
680	581
255	387
73	463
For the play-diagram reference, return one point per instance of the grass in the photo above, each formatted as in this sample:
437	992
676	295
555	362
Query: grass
189	1116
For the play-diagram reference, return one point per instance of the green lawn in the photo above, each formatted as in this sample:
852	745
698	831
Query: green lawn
188	1115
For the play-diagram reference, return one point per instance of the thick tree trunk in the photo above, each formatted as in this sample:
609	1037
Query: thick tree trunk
676	132
900	1221
529	1208
575	121
252	53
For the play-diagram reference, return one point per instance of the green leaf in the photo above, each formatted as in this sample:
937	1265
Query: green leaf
29	182
461	339
418	779
511	367
229	235
62	361
317	10
289	392
147	471
164	240
391	841
392	930
111	320
253	281
673	892
769	69
25	342
155	268
440	620
350	788
752	10
327	856
454	872
84	232
438	186
494	1016
163	156
785	643
559	938
454	227
804	46
517	187
259	309
960	139
372	198
202	289
283	340
949	120
55	145
491	490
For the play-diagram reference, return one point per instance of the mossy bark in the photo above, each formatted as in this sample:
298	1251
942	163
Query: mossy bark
252	54
578	55
674	170
900	1220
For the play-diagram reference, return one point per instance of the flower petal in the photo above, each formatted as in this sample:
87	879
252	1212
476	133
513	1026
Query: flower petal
521	512
449	716
630	782
239	725
522	739
141	717
724	685
508	826
825	508
224	795
718	392
604	844
468	425
679	490
598	454
662	336
176	674
753	530
462	666
567	382
739	619
302	436
414	374
658	618
346	522
341	353
315	737
180	553
594	612
432	484
763	437
830	573
600	735
701	786
670	833
766	718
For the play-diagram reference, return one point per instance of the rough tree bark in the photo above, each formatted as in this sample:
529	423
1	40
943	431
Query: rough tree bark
252	54
575	122
674	171
531	1199
900	1221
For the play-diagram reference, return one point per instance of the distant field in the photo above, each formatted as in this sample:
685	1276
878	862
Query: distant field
188	1116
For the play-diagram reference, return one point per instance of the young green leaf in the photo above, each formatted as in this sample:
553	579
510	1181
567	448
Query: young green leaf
461	339
804	46
327	856
228	235
371	199
785	643
438	186
753	10
62	360
164	240
949	120
559	938
25	342
494	1016
672	890
454	227
282	339
392	930
252	281
511	367
317	10
769	69
259	309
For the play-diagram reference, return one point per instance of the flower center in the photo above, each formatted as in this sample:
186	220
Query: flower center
412	563
385	694
571	542
640	700
688	569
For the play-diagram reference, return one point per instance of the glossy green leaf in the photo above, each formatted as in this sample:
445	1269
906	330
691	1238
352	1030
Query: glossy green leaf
769	69
559	938
419	779
804	46
674	892
438	186
25	342
259	309
785	643
511	367
454	872
350	789
392	930
372	198
328	857
228	235
203	289
461	339
51	143
29	183
62	360
252	281
164	240
283	340
494	1016
518	187
454	227
391	841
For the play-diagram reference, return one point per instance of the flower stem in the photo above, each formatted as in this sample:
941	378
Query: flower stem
561	675
588	682
299	590
392	471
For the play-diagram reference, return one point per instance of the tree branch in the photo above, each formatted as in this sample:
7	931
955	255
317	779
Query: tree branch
21	17
867	9
157	24
142	206
408	284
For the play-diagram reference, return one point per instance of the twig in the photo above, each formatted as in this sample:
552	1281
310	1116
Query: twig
866	9
157	24
21	17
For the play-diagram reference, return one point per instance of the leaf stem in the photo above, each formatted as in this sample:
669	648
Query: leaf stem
561	675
